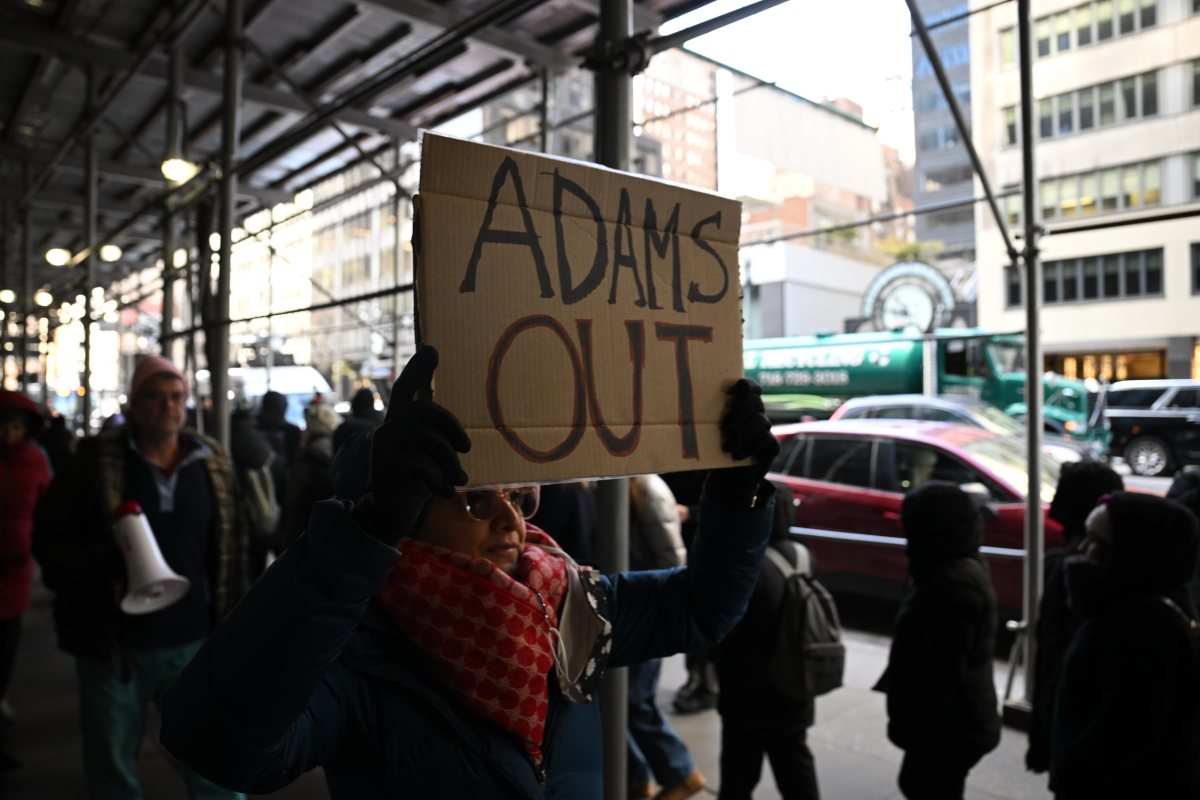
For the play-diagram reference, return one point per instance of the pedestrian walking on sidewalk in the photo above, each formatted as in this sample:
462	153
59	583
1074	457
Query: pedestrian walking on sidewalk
941	698
758	719
656	753
1127	714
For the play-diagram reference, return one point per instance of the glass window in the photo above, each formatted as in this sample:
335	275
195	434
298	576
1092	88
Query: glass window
1133	398
1149	13
1050	198
915	464
1196	264
1091	278
1112	276
1184	398
1012	286
1012	209
1066	113
1042	30
1083	25
1008	48
1087	108
1046	118
1104	21
1154	268
1068	197
1108	103
1133	275
1125	9
1070	280
1131	185
1062	31
1050	282
1196	176
1149	94
1108	190
1128	98
1087	195
786	449
1196	83
1151	183
894	412
1010	125
837	460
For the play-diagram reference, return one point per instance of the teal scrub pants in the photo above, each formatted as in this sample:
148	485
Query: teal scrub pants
113	698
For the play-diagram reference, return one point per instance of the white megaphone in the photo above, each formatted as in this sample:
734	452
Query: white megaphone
152	584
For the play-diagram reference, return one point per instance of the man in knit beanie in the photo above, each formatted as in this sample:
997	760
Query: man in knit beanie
184	484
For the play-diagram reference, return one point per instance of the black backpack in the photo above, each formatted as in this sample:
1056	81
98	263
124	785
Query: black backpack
808	658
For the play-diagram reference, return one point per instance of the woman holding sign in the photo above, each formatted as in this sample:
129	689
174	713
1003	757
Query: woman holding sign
427	642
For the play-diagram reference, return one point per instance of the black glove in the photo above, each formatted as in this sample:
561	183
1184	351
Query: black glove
745	433
414	454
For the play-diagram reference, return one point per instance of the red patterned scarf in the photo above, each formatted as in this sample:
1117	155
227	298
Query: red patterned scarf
487	634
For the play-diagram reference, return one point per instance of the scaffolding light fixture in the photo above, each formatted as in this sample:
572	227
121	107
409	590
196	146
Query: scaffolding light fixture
58	256
179	170
110	253
43	299
8	296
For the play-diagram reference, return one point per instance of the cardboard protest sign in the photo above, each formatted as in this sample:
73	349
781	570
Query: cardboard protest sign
588	321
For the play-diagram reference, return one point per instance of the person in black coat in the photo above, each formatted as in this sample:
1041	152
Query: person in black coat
1127	713
363	417
756	718
1080	487
941	698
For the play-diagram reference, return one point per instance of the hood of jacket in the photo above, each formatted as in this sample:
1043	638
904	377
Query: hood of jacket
942	523
1153	550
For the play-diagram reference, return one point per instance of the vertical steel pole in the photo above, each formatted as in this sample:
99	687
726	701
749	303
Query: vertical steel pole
230	127
613	133
90	193
5	283
170	244
544	113
1034	390
26	287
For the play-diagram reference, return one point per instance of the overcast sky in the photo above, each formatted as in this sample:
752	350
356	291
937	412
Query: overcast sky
857	49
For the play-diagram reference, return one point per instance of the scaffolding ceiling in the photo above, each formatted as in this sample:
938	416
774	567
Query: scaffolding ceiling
298	55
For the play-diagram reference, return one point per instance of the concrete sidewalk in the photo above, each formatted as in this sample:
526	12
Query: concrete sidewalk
854	759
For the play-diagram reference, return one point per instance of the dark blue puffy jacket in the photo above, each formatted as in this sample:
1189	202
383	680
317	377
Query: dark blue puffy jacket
308	672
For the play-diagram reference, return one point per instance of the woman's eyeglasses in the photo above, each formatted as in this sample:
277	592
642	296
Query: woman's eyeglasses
483	504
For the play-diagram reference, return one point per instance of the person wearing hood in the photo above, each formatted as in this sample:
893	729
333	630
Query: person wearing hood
284	439
1080	486
941	697
24	476
363	417
1127	712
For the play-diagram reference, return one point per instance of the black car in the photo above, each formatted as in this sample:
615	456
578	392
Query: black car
1155	424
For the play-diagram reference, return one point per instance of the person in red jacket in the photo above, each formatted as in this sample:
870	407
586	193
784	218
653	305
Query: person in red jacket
24	475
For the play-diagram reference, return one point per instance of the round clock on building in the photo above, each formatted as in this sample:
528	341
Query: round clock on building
910	296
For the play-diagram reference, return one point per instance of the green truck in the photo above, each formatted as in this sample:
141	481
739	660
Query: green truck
811	375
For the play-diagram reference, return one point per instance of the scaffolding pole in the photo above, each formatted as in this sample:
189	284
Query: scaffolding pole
90	195
230	130
614	104
175	133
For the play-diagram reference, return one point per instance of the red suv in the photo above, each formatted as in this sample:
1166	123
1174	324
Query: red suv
848	479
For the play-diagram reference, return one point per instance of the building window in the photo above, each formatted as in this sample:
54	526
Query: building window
938	179
1128	98
1151	183
1010	126
1068	194
1154	268
1065	104
1114	276
1087	195
1045	118
1125	16
1050	198
1087	100
1091	281
1196	176
1012	210
1196	81
1149	94
1108	104
1070	280
1104	20
1008	48
1196	257
1109	184
1130	183
1083	25
1012	287
1050	278
1062	31
1149	13
1042	31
